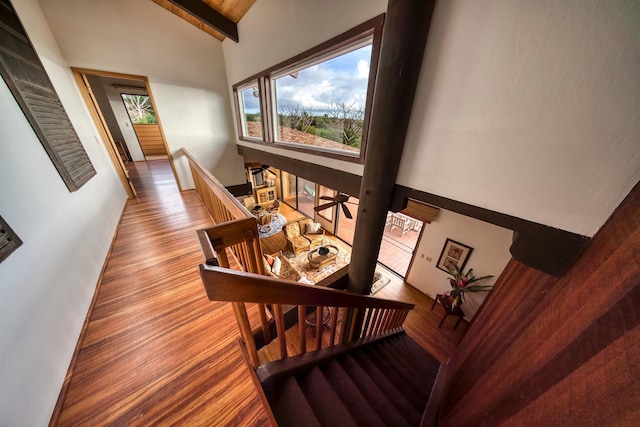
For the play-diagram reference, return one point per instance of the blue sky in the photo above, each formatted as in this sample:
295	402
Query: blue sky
341	79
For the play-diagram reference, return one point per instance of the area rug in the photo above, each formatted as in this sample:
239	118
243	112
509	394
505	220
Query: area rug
379	282
273	227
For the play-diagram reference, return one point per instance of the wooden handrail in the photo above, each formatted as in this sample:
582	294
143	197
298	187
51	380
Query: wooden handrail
219	201
222	284
383	316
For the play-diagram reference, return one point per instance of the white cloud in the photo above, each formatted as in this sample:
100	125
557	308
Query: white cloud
318	87
363	69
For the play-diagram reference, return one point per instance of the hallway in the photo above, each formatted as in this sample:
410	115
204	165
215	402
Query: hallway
156	350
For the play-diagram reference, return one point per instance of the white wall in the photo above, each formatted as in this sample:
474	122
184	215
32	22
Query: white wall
490	255
184	65
526	108
275	30
47	284
529	108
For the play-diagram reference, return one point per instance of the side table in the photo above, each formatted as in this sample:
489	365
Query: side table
448	310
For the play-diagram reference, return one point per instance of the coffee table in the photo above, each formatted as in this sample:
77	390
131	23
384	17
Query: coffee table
318	259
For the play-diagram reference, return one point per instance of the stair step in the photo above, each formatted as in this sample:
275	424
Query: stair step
362	411
403	346
326	404
290	407
398	372
401	403
415	372
370	390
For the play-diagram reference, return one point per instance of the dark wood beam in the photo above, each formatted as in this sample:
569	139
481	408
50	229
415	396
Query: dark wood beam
550	250
209	16
403	44
332	178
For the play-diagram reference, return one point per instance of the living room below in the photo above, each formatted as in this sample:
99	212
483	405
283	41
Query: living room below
279	197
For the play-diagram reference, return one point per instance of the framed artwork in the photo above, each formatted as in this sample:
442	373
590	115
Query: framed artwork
453	253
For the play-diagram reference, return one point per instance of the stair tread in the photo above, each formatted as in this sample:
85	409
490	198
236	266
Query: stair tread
422	361
398	372
415	371
290	407
370	390
385	382
323	400
359	407
395	396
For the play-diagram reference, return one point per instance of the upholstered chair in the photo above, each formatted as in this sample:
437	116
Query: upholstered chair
312	232
295	241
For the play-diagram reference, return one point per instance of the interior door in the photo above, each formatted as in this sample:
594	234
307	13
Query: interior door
110	144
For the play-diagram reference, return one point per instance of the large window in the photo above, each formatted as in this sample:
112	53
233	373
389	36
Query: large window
249	110
323	104
318	101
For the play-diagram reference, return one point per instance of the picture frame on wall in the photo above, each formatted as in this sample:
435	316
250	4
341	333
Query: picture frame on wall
453	253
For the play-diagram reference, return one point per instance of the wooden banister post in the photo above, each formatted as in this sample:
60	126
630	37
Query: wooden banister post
403	44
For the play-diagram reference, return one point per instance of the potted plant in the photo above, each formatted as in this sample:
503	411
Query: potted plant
461	283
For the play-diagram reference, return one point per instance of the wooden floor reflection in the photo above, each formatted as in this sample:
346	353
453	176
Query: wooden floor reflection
156	350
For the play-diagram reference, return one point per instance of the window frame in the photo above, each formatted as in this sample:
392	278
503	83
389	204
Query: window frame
369	29
241	119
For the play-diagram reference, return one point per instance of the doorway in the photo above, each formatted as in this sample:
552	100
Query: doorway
102	92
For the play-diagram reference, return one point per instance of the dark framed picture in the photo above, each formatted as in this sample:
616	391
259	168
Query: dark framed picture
453	253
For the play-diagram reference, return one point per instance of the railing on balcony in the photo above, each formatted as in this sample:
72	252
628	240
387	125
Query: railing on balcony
347	316
224	208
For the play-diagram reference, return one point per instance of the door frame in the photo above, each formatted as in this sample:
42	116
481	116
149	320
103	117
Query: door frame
79	75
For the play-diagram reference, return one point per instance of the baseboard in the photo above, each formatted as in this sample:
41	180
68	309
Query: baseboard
67	379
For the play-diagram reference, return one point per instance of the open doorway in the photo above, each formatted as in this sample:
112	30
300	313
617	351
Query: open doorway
103	92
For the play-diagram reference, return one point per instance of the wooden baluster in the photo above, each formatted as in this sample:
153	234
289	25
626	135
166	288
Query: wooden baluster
240	311
264	323
277	308
374	322
302	314
223	260
397	316
343	327
354	320
383	321
366	323
319	319
388	319
334	323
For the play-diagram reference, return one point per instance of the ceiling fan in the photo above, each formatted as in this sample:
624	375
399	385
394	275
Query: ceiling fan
256	171
338	199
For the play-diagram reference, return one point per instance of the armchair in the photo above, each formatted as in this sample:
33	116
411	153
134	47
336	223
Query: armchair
274	209
295	241
313	233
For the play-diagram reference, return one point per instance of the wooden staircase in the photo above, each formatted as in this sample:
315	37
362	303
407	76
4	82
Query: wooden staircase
359	368
386	382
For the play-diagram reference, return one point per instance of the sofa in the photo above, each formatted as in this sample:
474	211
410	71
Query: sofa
302	235
285	271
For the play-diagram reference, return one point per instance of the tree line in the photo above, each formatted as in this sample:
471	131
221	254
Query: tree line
343	122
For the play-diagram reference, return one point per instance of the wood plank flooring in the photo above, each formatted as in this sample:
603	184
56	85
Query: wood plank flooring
156	350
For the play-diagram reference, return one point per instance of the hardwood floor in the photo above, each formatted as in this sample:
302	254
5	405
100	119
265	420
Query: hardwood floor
156	350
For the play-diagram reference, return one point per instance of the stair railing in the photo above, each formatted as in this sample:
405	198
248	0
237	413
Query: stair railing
224	208
380	315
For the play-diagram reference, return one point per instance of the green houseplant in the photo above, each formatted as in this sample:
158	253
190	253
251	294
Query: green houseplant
461	283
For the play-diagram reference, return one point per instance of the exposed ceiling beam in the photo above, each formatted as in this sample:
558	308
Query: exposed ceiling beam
209	16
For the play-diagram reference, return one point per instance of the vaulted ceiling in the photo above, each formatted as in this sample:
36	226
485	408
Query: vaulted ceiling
215	17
